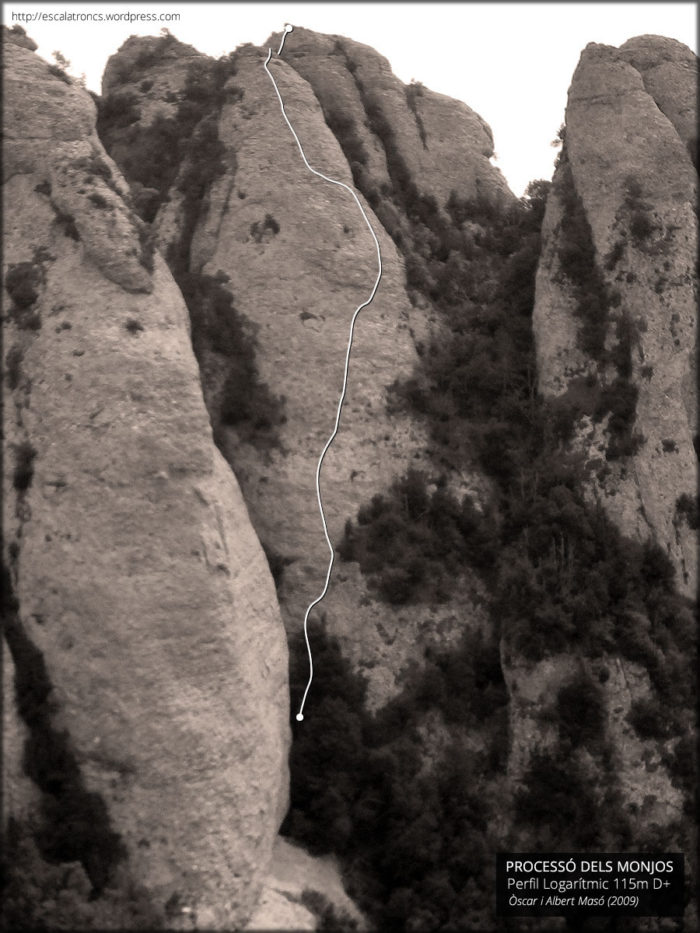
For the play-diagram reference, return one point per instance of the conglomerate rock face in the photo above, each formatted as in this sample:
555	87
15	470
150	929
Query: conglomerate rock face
295	258
627	163
669	71
108	426
623	195
439	142
299	284
150	662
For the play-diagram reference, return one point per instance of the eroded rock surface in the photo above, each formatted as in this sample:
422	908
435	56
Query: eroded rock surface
627	158
298	889
439	142
144	603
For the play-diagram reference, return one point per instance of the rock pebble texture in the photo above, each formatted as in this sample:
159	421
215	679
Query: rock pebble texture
629	149
294	256
147	649
441	143
180	289
299	286
294	875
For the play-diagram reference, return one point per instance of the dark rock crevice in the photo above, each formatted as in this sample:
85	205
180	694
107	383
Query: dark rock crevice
75	825
192	158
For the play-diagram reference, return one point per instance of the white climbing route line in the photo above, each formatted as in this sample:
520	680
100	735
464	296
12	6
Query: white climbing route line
287	30
340	184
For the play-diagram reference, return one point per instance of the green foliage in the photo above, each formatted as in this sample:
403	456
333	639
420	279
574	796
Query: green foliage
66	222
345	131
98	200
74	824
258	229
413	543
688	509
58	72
24	466
641	226
329	920
23	281
218	327
147	246
649	720
133	326
277	563
577	261
557	799
413	91
13	366
413	842
581	713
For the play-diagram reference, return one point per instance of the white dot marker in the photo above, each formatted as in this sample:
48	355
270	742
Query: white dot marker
300	717
287	29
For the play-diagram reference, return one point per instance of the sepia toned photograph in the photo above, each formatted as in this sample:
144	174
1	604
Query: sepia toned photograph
350	441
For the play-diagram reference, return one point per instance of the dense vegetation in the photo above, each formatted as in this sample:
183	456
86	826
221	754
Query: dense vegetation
563	578
415	844
413	543
217	327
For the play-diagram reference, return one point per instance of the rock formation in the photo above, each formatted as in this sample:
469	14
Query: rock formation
516	372
627	165
295	258
615	330
150	665
394	128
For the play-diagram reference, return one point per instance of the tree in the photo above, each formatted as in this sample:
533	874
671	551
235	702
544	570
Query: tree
61	60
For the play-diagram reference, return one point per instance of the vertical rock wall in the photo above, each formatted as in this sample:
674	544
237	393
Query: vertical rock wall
145	634
629	163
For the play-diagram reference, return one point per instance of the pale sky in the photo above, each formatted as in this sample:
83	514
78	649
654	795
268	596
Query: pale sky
511	62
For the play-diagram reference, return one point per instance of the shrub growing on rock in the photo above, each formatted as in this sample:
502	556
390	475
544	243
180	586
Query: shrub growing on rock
22	283
24	466
412	543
